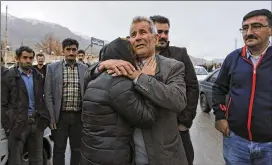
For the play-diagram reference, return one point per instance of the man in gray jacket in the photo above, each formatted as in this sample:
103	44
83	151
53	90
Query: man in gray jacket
63	98
162	144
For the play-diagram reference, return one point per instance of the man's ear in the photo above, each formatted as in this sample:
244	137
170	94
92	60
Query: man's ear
17	59
156	38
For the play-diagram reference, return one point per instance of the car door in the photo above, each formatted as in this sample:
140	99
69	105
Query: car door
209	83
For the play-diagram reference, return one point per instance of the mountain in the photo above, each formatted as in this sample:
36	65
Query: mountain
32	31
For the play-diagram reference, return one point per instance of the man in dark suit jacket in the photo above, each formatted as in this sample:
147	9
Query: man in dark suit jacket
63	98
186	117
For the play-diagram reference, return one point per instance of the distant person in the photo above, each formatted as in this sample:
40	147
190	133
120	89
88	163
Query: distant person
245	76
41	67
3	68
81	57
63	98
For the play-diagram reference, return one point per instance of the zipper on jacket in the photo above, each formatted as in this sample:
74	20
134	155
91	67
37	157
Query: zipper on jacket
227	111
252	96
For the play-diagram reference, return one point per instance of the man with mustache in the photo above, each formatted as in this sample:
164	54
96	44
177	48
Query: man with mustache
246	119
24	116
63	98
186	117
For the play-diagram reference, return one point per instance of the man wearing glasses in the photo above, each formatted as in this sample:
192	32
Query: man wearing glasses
63	97
246	119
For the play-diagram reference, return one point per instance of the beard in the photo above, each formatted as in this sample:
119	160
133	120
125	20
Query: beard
70	61
162	44
26	67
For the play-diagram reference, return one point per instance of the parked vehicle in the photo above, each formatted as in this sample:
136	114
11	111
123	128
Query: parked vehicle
201	73
205	87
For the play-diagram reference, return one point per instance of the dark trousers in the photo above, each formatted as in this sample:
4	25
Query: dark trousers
29	140
188	146
69	125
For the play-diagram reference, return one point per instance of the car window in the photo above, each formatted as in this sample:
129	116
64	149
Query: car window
213	78
201	71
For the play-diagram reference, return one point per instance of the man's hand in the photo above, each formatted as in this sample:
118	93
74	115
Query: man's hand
149	67
135	74
223	126
53	126
118	67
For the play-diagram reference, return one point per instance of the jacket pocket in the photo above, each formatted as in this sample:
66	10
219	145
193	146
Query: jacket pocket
172	154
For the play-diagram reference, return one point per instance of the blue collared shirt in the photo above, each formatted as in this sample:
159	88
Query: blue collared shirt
28	79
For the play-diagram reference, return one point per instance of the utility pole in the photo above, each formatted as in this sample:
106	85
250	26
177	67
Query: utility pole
6	38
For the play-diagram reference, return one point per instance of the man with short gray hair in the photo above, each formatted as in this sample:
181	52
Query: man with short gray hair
162	144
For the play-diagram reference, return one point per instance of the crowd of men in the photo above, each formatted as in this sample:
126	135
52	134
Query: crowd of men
137	104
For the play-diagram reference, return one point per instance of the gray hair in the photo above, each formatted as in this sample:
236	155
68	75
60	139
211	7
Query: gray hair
138	19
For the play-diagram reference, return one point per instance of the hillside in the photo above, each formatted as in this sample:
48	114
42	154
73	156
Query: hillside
30	32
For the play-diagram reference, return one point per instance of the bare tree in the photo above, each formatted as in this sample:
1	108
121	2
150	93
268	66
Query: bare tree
50	44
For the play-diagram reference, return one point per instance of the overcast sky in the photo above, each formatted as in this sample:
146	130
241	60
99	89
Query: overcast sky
207	29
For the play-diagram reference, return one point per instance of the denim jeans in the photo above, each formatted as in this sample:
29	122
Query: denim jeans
240	151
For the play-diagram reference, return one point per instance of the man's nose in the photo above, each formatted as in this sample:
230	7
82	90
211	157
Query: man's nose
28	60
163	35
138	37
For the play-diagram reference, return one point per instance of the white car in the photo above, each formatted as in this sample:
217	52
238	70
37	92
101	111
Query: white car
201	73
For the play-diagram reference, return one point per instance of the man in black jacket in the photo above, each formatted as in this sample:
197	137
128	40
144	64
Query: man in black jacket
40	64
24	115
3	68
186	117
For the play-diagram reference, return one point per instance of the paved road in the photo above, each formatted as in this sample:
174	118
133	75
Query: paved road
206	140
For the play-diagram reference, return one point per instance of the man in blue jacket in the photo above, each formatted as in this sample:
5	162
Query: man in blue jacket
246	119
